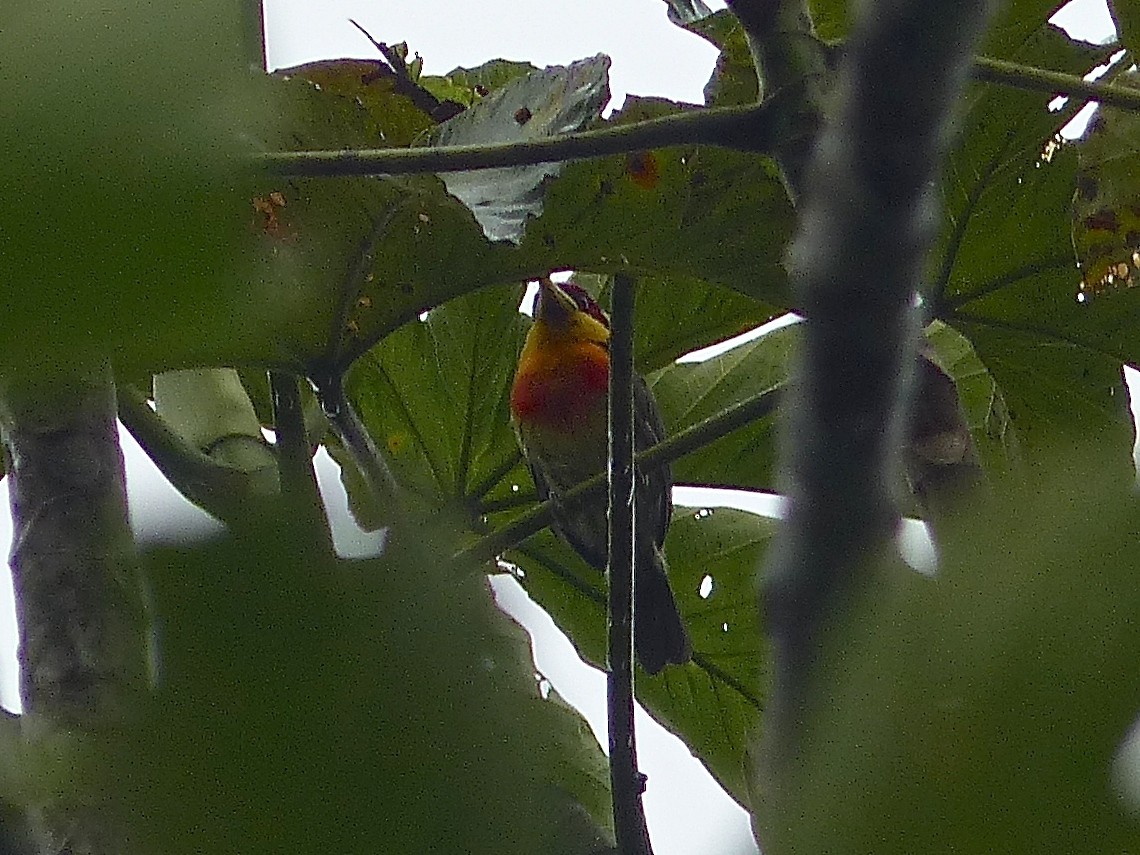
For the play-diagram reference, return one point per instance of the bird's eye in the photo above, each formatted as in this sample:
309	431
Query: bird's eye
585	302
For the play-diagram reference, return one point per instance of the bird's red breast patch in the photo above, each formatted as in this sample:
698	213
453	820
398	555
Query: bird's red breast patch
561	390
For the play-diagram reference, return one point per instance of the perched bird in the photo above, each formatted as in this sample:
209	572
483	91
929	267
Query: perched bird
558	407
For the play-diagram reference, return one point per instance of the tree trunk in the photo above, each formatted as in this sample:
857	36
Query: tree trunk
78	603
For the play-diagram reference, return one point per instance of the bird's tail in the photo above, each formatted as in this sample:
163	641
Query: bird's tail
660	638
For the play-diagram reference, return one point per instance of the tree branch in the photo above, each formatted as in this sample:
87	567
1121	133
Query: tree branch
867	225
626	782
745	127
788	58
1054	83
81	618
352	433
782	126
219	489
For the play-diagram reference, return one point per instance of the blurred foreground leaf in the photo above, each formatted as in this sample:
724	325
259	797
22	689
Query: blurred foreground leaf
311	704
981	711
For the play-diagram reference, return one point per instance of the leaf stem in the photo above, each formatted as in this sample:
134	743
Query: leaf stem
217	488
348	427
750	128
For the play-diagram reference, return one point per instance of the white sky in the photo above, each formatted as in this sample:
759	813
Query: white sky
687	811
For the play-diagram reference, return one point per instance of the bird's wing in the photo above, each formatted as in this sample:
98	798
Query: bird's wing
655	498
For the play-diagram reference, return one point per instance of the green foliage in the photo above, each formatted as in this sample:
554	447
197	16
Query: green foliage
714	701
294	682
434	396
125	230
282	721
353	259
1126	16
468	85
1004	273
981	712
734	79
691	392
1106	209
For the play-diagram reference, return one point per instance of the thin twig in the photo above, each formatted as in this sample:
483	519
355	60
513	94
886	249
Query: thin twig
351	431
626	782
749	128
1005	73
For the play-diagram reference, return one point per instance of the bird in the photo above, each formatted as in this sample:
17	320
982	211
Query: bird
558	405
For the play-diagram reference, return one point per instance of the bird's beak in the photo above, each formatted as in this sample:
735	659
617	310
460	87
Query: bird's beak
552	305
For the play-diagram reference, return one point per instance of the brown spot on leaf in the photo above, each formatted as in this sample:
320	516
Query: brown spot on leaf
267	208
644	168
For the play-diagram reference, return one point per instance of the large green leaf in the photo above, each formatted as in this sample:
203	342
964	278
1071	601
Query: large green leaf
691	392
714	702
124	227
1004	274
310	704
353	259
982	711
1058	395
433	395
1000	193
679	314
711	214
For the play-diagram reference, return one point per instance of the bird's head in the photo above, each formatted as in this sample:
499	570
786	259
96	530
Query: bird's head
565	310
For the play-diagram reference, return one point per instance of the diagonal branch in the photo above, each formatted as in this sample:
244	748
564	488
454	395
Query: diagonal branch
687	441
783	123
219	489
990	70
728	126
